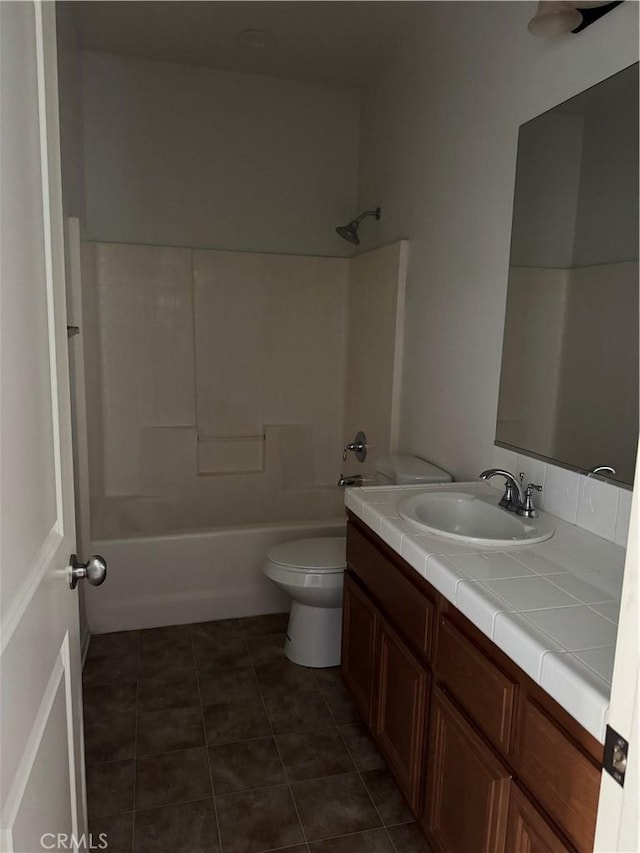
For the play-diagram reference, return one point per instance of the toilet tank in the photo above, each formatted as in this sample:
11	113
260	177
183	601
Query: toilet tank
404	470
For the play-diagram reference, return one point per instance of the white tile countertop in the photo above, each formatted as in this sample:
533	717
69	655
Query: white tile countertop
552	607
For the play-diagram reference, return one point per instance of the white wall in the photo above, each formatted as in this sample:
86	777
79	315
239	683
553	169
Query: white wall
70	105
438	153
185	156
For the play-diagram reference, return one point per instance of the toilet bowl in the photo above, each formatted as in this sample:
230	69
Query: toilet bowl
311	573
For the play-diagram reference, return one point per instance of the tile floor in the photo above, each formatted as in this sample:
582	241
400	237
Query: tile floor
204	738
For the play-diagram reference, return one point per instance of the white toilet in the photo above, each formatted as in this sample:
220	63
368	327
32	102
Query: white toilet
311	571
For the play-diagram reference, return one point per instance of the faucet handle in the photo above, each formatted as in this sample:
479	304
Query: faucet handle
528	509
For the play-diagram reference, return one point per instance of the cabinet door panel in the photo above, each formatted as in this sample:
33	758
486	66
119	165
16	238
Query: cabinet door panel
401	708
528	831
467	792
399	600
359	631
559	775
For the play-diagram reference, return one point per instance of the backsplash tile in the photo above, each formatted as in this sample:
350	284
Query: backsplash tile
598	507
534	472
624	516
560	496
601	508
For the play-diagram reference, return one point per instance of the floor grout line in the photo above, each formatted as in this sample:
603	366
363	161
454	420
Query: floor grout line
135	757
204	734
359	772
284	769
323	686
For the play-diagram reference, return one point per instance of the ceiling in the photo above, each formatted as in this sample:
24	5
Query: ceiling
330	42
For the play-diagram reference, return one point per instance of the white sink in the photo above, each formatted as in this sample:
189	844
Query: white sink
473	518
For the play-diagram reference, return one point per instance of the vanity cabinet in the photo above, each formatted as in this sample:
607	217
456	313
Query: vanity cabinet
389	686
467	786
527	830
359	635
486	759
401	711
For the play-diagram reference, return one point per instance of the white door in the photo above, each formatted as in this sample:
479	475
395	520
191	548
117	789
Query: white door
42	789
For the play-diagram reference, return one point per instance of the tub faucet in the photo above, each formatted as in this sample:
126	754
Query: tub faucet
350	480
508	501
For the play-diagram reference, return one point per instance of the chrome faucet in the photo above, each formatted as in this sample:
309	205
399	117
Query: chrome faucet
522	503
510	483
600	469
350	480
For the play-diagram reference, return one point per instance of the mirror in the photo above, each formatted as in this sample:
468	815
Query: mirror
569	378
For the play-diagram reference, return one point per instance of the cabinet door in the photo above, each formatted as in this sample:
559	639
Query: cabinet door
401	708
528	831
467	791
359	631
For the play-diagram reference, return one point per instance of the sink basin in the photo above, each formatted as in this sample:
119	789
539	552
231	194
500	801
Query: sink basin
473	518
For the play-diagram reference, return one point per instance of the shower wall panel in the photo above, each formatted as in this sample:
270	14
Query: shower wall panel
219	384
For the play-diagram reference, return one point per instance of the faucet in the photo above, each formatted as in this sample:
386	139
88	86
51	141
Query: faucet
523	503
600	469
350	480
510	483
358	446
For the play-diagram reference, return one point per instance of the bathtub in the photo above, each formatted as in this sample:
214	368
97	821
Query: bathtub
191	576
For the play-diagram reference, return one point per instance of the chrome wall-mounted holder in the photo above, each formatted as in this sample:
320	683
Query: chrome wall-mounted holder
358	447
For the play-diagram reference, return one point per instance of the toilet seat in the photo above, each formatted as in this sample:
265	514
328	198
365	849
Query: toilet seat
324	555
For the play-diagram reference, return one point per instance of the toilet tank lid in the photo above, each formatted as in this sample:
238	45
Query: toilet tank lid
327	552
405	470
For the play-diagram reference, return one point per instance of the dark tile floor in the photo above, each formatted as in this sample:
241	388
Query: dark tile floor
205	739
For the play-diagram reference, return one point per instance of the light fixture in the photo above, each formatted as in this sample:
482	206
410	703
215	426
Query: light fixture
560	17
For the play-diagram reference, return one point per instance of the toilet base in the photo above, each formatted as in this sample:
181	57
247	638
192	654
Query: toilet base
314	635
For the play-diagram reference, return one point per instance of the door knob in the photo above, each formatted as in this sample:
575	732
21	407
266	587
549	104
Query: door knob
94	570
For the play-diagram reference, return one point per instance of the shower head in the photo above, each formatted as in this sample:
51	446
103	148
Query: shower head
349	232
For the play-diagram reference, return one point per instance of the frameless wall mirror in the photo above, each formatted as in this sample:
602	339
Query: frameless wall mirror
569	379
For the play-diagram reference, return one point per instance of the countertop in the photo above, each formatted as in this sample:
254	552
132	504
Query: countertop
552	607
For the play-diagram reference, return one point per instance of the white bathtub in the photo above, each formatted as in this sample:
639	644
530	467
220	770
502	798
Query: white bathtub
191	576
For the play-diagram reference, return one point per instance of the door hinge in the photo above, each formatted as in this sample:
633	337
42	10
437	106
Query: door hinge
616	749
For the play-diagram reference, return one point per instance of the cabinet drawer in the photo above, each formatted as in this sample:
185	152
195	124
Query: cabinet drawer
404	605
477	683
558	774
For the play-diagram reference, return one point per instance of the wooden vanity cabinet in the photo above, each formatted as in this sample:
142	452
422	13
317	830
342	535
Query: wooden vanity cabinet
527	829
401	712
486	759
389	686
467	786
359	645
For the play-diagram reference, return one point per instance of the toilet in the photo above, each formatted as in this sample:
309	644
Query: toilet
311	571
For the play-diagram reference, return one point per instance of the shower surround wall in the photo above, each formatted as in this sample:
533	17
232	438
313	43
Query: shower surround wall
221	388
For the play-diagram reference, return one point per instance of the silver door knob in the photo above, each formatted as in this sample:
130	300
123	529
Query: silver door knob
94	570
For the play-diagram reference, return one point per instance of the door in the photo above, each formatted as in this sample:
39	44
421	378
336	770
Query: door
359	631
617	823
401	710
42	778
467	788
